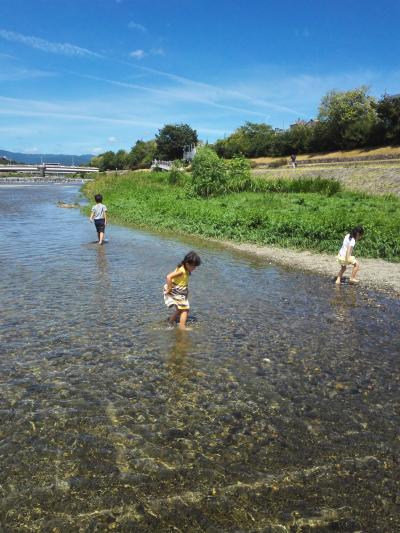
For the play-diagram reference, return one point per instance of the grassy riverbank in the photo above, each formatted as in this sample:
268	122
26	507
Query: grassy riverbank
301	220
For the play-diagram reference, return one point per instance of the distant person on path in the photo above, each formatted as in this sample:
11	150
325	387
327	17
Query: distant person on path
99	216
345	256
176	289
293	159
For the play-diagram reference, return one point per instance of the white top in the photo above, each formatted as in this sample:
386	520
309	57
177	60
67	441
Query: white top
99	210
346	243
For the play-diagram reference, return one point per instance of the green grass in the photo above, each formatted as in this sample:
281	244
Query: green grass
303	220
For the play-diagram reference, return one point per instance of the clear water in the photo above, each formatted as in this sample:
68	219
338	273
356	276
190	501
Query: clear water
279	411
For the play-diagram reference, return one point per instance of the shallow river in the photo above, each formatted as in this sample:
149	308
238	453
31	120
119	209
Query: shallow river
278	412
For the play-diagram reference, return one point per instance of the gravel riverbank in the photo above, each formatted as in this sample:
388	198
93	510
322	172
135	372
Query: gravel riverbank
374	273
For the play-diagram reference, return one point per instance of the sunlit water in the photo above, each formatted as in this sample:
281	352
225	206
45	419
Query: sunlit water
279	411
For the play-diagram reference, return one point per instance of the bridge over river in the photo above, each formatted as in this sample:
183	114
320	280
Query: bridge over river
46	169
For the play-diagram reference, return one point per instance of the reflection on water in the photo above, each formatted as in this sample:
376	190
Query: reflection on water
278	412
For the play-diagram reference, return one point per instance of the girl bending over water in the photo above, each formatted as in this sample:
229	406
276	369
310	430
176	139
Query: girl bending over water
176	289
345	256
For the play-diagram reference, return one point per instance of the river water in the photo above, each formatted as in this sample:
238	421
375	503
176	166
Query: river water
278	412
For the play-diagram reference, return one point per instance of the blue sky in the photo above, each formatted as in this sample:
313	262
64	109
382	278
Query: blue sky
94	75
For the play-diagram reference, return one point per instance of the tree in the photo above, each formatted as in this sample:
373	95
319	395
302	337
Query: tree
233	145
172	139
388	110
142	154
121	160
349	117
300	136
258	138
104	161
251	140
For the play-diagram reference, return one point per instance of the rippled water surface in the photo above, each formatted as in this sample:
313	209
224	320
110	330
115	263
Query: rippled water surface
278	412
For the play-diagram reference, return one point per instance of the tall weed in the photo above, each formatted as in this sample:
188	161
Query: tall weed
238	174
320	185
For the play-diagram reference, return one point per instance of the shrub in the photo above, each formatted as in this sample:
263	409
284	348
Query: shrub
238	174
209	176
176	173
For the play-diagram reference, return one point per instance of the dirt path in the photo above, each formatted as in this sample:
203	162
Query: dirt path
373	273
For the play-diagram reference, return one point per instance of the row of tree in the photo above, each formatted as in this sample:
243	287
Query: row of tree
346	120
168	145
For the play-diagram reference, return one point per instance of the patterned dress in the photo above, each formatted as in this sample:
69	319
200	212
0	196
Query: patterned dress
179	293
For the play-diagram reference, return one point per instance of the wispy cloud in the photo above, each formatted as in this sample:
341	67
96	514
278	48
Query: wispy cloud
17	74
196	91
137	54
224	93
157	52
65	49
140	54
6	56
36	108
179	95
136	26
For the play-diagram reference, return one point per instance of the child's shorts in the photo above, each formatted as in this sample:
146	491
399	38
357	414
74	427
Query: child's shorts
100	225
176	297
345	262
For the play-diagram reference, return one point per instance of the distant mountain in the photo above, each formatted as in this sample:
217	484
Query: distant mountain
64	159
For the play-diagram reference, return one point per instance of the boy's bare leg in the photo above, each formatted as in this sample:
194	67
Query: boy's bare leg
183	319
354	273
101	237
340	275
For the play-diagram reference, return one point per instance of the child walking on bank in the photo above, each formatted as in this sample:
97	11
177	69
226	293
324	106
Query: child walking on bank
345	256
176	289
99	215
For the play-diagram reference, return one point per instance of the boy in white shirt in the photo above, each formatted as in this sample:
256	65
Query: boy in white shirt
345	256
99	215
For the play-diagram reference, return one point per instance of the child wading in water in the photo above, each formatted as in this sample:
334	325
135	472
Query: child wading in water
345	256
176	288
99	215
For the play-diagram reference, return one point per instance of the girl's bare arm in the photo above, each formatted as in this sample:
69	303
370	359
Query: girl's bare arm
349	252
170	277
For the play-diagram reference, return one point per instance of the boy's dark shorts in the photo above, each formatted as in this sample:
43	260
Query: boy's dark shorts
100	225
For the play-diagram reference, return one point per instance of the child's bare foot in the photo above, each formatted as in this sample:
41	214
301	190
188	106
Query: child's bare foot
354	280
185	328
338	281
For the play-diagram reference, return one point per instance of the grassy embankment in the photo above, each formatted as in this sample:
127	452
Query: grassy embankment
375	153
379	174
373	178
286	214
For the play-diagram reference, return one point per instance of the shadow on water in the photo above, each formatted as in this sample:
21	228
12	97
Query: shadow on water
278	412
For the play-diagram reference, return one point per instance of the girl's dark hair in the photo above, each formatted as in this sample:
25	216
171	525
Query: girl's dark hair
192	258
98	198
358	230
